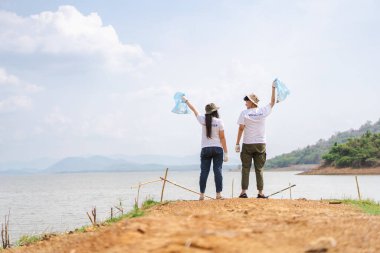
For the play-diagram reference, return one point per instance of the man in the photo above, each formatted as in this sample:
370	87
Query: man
252	124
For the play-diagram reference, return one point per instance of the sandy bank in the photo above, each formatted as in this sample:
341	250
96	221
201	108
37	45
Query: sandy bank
342	171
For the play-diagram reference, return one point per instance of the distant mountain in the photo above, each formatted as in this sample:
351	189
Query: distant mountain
313	154
102	163
30	166
159	159
19	172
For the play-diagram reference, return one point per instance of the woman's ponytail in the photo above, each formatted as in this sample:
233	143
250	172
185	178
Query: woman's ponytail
209	122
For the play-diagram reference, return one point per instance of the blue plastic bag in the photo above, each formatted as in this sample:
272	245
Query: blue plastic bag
282	90
180	106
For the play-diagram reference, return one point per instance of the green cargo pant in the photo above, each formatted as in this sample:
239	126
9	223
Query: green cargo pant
257	152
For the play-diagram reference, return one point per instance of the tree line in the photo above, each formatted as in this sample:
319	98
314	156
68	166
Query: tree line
358	152
313	154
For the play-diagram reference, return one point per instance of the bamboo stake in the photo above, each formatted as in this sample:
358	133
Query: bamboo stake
290	191
111	213
138	195
5	232
163	184
90	218
121	210
94	215
185	188
357	186
281	190
2	235
150	182
93	218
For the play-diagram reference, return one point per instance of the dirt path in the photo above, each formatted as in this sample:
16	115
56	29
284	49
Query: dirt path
232	225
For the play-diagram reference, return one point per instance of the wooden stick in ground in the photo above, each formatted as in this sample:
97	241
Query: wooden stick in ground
8	241
357	186
4	232
290	191
138	195
121	209
185	188
163	184
94	215
281	190
92	222
2	236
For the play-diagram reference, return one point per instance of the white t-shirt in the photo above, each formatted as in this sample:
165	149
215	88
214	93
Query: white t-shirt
254	122
216	126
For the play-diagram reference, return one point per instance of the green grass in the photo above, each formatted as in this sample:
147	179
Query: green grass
367	206
28	239
149	203
81	229
135	212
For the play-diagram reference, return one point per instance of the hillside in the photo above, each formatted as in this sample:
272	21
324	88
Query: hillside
313	154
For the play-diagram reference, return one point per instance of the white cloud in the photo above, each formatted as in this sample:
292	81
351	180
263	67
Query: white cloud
16	92
14	103
56	118
68	31
6	78
13	82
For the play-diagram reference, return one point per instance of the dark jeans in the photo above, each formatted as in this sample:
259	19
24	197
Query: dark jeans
214	154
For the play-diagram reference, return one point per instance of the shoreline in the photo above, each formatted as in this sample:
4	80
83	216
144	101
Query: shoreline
341	171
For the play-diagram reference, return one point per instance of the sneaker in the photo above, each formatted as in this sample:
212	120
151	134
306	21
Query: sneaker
261	196
201	198
219	197
243	196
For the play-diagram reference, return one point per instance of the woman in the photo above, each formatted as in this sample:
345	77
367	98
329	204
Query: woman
213	145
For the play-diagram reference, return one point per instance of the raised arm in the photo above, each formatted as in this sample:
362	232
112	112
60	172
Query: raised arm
273	98
195	111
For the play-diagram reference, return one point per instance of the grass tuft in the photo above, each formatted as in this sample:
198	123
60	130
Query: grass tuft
135	212
149	203
368	206
82	229
28	239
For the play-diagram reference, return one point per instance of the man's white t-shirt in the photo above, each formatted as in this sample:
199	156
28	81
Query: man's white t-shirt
254	121
216	126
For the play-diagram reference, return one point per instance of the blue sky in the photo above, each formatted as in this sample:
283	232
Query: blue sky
97	77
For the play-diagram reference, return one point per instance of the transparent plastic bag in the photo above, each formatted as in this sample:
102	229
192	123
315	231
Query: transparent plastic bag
282	90
180	106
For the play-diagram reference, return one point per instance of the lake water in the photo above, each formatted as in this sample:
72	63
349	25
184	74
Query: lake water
59	202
